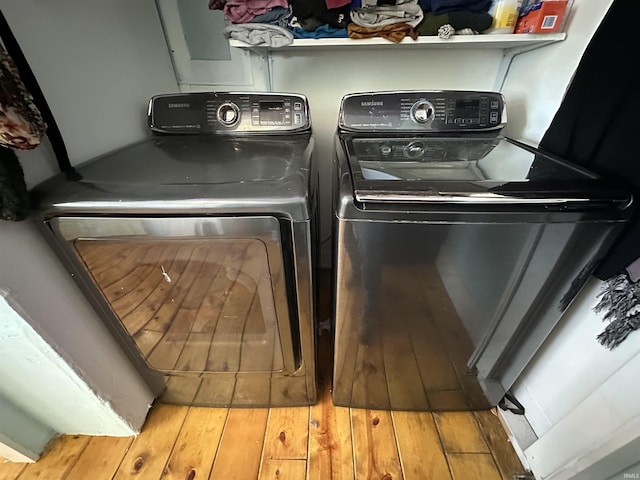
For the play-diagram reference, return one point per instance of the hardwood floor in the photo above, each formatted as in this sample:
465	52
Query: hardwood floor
321	442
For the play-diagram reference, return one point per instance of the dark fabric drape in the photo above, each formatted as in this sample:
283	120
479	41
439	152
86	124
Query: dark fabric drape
598	123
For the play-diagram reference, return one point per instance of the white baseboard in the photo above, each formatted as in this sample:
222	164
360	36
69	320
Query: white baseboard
11	455
520	434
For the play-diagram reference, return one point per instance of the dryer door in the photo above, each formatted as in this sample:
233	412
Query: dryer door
196	295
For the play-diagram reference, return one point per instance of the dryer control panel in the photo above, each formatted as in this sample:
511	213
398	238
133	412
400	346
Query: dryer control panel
228	113
423	111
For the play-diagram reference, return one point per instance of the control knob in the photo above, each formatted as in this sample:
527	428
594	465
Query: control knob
414	150
422	111
228	114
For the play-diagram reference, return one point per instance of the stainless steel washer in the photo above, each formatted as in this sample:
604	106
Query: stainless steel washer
456	249
197	247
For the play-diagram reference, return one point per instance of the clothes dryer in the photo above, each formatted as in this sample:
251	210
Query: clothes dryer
197	247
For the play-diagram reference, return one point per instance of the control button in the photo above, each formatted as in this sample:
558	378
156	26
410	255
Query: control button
495	104
228	114
297	106
494	117
414	150
422	111
297	118
385	150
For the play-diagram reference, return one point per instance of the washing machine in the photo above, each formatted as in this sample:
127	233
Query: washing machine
456	249
196	246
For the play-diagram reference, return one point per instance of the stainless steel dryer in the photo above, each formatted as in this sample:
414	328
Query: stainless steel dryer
456	249
197	247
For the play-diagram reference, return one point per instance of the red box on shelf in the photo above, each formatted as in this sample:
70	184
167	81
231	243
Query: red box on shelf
542	17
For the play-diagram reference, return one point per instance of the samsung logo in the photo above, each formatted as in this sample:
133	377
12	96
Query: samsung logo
179	105
371	103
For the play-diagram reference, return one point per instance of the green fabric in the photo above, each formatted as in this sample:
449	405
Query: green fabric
14	198
458	20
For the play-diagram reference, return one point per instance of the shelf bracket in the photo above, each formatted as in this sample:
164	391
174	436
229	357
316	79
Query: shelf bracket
507	60
267	61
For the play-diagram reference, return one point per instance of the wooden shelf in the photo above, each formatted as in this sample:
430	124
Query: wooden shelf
498	41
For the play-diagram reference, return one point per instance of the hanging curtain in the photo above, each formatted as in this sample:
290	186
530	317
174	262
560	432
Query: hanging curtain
598	123
598	126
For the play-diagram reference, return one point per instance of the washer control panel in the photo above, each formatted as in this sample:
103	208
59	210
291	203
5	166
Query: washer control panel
423	111
420	149
229	113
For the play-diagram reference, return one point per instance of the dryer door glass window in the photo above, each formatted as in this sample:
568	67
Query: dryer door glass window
195	295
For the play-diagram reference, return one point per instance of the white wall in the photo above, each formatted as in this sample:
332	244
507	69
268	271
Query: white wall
98	63
630	472
22	437
31	416
580	399
537	80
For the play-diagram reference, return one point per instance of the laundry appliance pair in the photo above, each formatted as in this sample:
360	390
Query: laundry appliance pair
455	249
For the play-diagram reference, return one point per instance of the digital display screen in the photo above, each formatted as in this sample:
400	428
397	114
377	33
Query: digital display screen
467	109
271	113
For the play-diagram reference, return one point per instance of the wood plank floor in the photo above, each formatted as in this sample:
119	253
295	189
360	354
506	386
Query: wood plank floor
321	442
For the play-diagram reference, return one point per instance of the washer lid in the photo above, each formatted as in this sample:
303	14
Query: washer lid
469	169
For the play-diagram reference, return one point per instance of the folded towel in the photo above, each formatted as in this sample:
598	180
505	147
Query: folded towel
279	16
262	34
244	11
394	33
323	31
408	12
